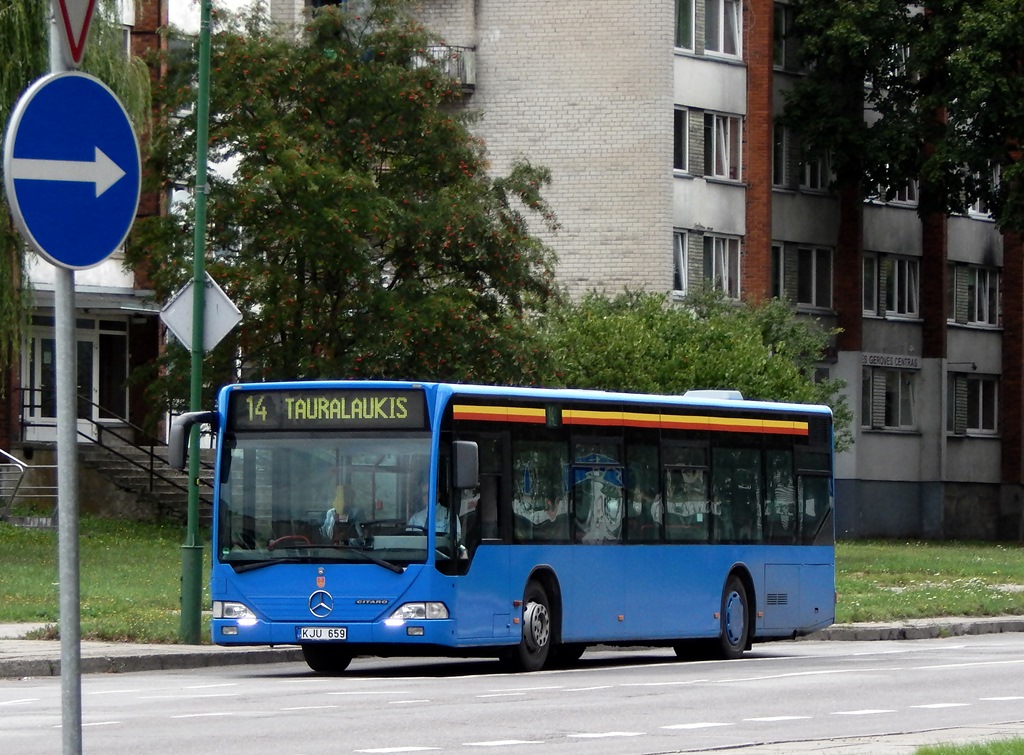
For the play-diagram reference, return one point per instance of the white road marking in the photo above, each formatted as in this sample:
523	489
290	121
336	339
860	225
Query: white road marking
114	692
942	705
529	689
769	719
408	702
503	743
212	714
1003	699
360	693
864	712
22	701
400	749
607	734
503	694
311	707
589	689
699	725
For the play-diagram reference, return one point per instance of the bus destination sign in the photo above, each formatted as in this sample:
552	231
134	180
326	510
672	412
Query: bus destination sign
327	409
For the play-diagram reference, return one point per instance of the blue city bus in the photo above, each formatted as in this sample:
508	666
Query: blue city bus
399	518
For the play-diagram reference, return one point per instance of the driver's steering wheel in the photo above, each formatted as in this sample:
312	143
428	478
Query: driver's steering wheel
286	539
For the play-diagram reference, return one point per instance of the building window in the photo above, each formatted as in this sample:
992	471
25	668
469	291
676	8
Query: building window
779	163
722	27
906	194
722	264
680	140
814	277
869	284
972	404
679	277
985	186
722	146
684	24
778	271
902	275
891	285
973	295
784	40
887	398
815	174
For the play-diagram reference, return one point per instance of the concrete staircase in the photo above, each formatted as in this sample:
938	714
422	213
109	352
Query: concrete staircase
160	493
115	479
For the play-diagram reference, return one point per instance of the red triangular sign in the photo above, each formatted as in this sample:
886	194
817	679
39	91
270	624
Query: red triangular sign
74	18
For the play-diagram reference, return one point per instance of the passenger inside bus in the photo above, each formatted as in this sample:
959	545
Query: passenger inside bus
342	521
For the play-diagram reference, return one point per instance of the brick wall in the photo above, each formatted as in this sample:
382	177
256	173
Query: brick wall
584	89
757	149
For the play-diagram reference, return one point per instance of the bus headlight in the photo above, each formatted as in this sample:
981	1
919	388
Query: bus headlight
418	612
223	609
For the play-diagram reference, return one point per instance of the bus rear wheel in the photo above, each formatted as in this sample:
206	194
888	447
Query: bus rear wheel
735	620
326	658
532	651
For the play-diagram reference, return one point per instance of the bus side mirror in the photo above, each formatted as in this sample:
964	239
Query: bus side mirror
181	427
466	458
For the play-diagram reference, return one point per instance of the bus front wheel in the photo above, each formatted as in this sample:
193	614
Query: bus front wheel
326	658
532	652
735	619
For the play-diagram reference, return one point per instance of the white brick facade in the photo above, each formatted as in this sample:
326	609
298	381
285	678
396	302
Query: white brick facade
585	89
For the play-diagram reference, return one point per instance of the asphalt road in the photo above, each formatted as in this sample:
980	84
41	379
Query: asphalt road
849	697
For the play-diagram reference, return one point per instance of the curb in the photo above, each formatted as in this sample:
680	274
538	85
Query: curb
22	667
923	629
151	659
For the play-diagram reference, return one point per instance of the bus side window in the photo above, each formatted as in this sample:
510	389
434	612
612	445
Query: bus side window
487	509
643	496
736	482
780	519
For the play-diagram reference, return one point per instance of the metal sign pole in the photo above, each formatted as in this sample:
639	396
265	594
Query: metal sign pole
67	482
192	548
67	514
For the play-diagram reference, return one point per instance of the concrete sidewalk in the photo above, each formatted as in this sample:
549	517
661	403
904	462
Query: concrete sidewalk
20	657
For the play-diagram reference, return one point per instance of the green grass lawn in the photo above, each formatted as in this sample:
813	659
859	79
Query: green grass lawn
1007	747
131	579
882	581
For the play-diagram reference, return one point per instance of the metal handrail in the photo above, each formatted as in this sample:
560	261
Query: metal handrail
102	429
7	460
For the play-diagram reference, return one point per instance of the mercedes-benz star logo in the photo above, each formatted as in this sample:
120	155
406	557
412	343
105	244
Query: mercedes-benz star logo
321	603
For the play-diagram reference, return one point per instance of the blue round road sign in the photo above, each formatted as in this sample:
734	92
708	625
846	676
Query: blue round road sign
72	169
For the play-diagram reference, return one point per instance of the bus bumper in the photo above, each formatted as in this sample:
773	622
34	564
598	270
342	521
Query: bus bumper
406	632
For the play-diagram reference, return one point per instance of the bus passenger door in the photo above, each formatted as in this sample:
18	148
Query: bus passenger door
483	600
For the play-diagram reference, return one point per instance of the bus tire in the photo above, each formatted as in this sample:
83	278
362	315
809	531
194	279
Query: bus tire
532	651
734	620
326	658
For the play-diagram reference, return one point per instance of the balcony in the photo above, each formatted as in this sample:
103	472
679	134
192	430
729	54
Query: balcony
457	62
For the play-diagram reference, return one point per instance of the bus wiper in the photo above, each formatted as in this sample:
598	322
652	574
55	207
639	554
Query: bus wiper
253	565
370	557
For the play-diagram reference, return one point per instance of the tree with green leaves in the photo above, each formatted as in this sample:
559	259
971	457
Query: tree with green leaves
24	28
639	342
357	228
930	91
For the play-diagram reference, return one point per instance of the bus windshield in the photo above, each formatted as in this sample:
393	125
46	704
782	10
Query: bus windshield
286	498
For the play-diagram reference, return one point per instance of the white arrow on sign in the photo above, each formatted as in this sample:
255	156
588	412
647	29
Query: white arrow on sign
102	171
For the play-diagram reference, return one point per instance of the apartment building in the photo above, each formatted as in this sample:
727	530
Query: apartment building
657	120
